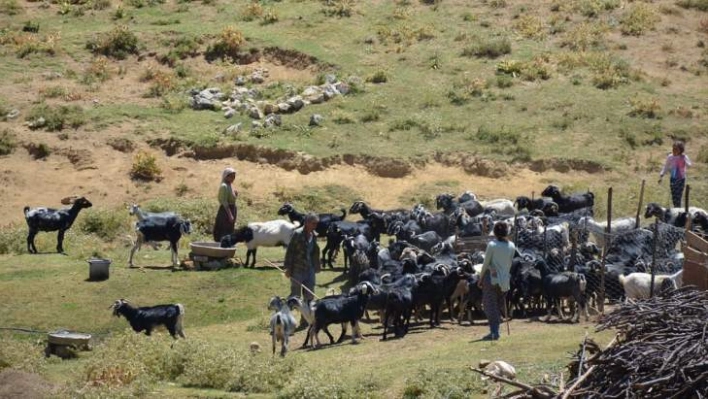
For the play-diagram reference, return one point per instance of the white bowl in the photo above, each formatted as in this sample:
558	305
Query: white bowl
211	249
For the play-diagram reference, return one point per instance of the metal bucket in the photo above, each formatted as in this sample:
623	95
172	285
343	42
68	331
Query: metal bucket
98	269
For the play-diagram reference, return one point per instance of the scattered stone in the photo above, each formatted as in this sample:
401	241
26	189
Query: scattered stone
229	113
257	78
330	78
283	108
13	114
255	125
296	103
316	120
37	123
342	88
240	81
273	120
270	108
255	113
233	129
52	75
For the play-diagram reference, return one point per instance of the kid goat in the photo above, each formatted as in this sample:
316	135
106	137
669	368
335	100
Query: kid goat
48	219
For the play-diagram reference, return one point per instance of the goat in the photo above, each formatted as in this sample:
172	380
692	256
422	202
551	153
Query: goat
637	285
48	219
545	205
449	204
161	228
343	309
569	203
325	219
562	285
282	324
148	317
379	219
134	210
501	206
673	216
260	234
599	229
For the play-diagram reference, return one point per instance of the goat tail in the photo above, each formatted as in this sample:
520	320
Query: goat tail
583	282
622	279
344	213
25	210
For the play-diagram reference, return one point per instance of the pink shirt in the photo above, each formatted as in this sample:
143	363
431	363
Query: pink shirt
676	165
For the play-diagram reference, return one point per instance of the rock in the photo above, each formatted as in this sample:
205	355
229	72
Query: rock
13	114
200	103
311	91
296	103
273	120
269	108
330	78
37	123
255	125
229	113
316	120
256	77
240	81
283	108
318	99
233	129
342	88
52	75
254	113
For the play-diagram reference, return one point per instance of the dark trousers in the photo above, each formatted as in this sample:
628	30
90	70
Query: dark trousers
493	302
677	186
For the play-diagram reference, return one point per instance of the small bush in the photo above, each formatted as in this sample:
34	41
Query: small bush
497	3
645	107
181	190
504	81
702	154
227	45
585	36
10	7
531	27
593	8
253	10
12	241
99	70
17	354
270	16
117	43
161	83
491	48
121	144
145	167
448	383
106	224
639	19
8	142
58	118
701	5
173	103
38	151
181	48
379	76
339	8
30	43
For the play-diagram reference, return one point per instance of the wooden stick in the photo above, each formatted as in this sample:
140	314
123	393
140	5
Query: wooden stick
301	284
570	390
533	390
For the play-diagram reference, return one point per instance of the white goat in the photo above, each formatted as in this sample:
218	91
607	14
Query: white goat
502	207
260	234
598	228
636	285
282	324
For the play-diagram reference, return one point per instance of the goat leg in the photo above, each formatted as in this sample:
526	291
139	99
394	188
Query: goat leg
60	241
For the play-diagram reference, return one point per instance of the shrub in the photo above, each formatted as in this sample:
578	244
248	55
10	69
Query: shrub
645	107
497	3
593	8
639	19
121	144
98	70
117	43
270	16
16	354
490	48
38	151
162	83
8	142
29	43
180	49
12	241
531	27
145	167
585	36
440	382
227	45
252	11
339	8
379	76
701	5
173	103
106	224
10	7
53	119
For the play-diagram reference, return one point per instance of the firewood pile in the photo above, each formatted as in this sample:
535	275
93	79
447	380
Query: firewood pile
660	351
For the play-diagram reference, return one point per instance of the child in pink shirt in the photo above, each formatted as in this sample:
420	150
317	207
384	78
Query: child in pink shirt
676	164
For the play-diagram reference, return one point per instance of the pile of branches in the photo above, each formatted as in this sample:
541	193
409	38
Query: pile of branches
660	351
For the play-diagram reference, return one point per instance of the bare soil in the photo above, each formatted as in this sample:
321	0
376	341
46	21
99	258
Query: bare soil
15	384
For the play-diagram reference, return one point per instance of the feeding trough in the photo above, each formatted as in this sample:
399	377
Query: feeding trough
210	255
65	344
98	269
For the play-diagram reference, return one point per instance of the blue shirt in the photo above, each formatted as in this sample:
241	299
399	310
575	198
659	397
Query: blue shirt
497	260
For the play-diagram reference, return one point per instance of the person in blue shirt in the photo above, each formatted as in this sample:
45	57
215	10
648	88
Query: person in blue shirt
495	277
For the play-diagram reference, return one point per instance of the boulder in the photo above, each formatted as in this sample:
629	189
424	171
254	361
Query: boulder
316	120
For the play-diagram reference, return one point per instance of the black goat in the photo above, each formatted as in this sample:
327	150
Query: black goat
343	309
545	205
161	228
449	205
325	218
557	286
379	219
673	216
147	318
48	219
569	203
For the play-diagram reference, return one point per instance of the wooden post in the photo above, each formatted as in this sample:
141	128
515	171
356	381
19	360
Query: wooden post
639	205
688	215
608	240
653	257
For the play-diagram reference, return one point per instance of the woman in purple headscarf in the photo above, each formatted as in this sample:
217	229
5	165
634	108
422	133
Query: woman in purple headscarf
226	216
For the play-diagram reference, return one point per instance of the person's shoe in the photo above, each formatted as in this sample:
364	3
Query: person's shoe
490	337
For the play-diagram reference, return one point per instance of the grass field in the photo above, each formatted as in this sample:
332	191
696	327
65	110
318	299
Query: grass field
225	312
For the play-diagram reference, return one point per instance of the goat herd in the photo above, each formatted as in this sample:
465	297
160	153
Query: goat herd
558	245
